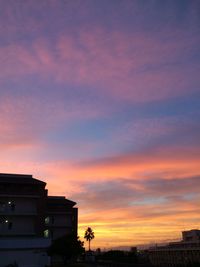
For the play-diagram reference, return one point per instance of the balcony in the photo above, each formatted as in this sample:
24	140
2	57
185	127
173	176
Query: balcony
8	233
25	243
16	208
18	213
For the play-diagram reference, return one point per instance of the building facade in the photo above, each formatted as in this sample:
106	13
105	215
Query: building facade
61	217
30	220
183	253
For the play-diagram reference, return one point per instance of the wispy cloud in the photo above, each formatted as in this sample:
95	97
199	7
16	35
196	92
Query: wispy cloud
137	67
101	100
128	206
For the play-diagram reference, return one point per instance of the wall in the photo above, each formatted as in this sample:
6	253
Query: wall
24	258
18	205
20	225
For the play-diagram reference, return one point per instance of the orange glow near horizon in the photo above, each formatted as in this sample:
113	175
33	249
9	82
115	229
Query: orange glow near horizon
144	221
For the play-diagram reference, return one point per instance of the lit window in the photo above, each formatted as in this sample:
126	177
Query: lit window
46	233
47	220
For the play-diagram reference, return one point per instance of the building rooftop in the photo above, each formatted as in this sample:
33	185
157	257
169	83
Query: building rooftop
60	200
19	178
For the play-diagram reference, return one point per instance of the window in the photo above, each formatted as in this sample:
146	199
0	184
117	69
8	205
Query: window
46	233
7	206
47	220
10	225
11	205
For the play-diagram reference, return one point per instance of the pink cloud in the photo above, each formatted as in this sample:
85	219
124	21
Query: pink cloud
71	177
142	220
166	160
120	65
25	119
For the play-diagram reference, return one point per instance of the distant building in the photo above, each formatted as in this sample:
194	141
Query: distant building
30	219
191	236
176	254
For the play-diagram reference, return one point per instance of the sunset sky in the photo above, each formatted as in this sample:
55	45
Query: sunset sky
101	100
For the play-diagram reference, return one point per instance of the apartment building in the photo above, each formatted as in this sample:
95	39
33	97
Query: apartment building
175	254
61	217
30	220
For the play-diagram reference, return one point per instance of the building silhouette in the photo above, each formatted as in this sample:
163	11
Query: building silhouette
183	253
30	220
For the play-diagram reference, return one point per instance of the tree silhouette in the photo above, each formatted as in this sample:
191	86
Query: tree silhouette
68	247
89	235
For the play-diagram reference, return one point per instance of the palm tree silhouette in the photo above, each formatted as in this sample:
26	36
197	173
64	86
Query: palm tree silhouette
89	235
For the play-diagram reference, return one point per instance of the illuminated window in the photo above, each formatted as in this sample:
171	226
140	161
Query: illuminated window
46	233
47	220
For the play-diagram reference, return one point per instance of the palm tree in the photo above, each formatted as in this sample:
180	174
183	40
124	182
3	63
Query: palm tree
89	235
